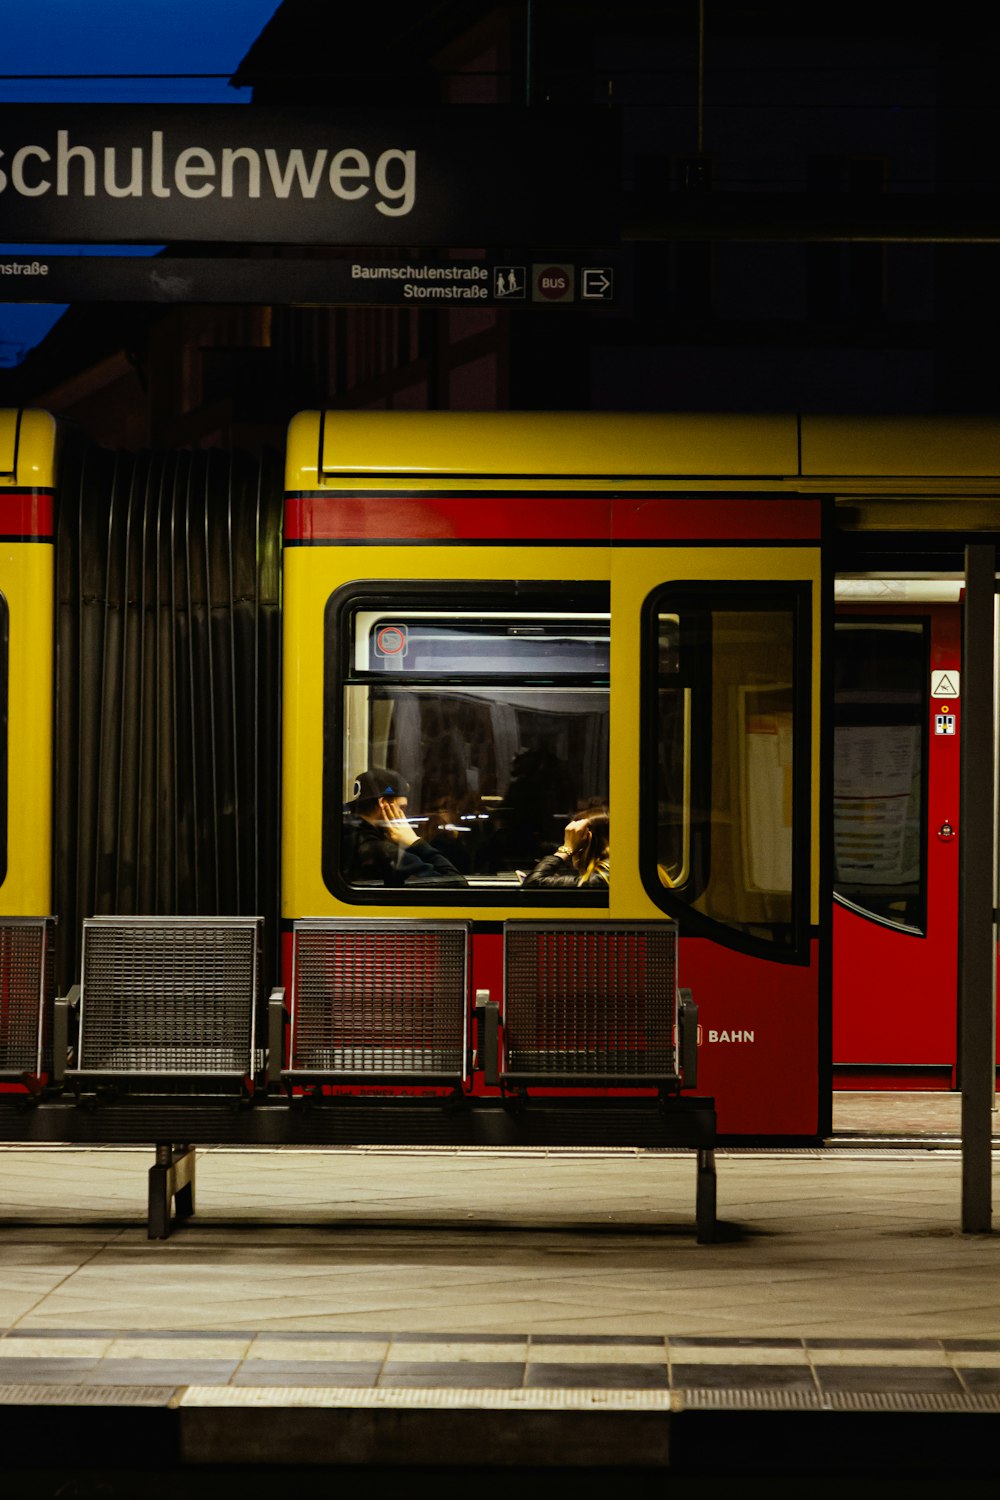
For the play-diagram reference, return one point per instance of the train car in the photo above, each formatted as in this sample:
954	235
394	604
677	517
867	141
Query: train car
523	616
512	620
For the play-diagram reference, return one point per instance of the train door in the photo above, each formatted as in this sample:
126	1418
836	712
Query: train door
729	793
897	729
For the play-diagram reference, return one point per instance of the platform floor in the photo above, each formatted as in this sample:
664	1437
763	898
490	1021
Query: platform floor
319	1295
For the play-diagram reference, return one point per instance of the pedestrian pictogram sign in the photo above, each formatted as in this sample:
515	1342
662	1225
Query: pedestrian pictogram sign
510	283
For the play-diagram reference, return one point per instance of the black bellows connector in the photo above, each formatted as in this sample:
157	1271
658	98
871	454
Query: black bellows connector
168	625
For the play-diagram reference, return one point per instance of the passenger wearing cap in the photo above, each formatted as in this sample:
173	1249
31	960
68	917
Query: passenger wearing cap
380	846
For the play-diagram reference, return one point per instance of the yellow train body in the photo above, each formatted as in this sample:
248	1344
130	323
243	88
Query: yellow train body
27	485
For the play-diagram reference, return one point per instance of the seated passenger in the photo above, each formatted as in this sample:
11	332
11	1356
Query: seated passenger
380	846
581	860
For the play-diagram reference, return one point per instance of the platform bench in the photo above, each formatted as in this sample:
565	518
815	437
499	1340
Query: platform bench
591	1044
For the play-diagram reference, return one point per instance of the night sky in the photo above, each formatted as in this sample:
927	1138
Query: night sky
99	37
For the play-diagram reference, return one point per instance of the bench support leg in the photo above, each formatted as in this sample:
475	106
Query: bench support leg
171	1185
705	1199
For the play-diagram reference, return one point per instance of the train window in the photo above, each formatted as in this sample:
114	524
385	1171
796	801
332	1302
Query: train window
881	672
504	646
726	761
487	711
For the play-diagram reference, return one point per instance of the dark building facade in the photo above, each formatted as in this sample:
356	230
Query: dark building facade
808	222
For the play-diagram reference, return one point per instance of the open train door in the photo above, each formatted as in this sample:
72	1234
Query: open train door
729	780
897	709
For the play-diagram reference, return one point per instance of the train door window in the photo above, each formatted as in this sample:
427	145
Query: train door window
726	765
881	676
487	710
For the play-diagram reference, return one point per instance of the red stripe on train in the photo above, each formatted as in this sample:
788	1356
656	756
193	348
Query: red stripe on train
447	518
25	513
639	518
563	518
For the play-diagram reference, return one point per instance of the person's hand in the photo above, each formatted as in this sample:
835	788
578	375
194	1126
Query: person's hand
576	835
395	824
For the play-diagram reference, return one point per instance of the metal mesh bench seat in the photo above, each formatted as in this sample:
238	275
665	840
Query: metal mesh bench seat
168	998
378	1000
590	1003
26	994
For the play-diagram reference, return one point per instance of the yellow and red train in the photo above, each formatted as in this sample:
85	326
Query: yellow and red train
524	617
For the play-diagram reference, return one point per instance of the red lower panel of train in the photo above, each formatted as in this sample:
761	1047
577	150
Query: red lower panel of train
759	1032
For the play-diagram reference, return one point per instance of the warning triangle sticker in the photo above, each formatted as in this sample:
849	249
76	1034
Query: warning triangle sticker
944	684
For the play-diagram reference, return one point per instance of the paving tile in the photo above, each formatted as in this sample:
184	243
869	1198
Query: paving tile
495	1339
65	1346
713	1341
608	1351
615	1377
44	1371
463	1375
312	1372
161	1372
300	1349
456	1351
984	1359
926	1380
741	1377
305	1336
168	1348
886	1356
743	1353
175	1337
882	1345
228	1339
638	1341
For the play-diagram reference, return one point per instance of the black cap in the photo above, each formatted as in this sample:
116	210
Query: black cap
379	781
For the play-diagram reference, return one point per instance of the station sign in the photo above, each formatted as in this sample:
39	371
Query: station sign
589	278
464	175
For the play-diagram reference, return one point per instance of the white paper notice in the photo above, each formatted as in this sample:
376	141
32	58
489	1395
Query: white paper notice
876	803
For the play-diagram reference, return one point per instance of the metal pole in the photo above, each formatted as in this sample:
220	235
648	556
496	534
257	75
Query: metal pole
701	77
976	940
